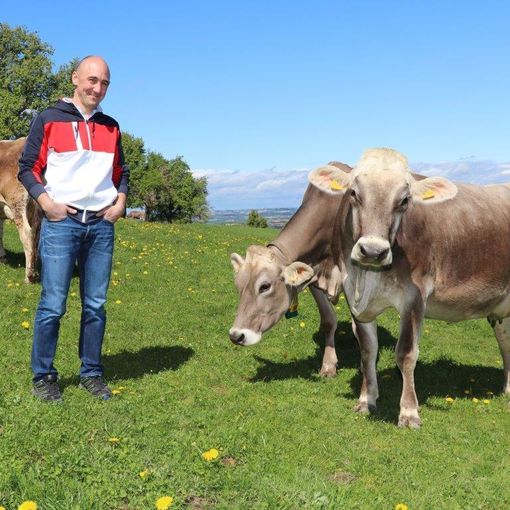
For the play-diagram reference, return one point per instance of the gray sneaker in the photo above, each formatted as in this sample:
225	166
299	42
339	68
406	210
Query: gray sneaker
46	389
96	386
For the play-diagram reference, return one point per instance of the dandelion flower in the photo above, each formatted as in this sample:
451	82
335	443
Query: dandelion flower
118	302
164	503
24	310
116	392
301	324
28	505
114	440
401	506
25	324
486	401
2	507
475	400
450	399
143	474
210	455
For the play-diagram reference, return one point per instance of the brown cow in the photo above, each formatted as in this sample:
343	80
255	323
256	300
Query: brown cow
269	278
15	204
428	248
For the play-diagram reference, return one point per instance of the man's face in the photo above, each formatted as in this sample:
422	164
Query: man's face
91	80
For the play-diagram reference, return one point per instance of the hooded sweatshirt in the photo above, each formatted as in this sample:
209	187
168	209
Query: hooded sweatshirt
76	161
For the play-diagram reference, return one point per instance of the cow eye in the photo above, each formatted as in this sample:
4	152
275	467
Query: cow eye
404	202
264	287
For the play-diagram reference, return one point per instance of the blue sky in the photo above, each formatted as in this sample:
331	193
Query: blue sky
255	94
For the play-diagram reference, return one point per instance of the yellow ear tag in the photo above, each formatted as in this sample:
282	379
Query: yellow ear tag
334	184
427	194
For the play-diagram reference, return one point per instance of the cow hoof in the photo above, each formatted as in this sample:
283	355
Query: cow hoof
364	408
31	278
328	371
412	422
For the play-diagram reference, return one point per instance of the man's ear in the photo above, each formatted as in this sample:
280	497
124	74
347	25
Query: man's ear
298	274
237	261
330	179
433	190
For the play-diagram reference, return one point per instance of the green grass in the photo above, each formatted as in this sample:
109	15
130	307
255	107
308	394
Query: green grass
287	438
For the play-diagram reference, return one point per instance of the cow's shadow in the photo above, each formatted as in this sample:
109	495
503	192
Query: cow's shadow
134	365
437	379
14	259
346	348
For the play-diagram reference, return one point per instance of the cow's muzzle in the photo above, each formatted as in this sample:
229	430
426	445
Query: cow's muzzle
372	251
244	337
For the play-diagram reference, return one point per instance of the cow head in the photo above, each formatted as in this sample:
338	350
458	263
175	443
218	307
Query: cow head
266	287
379	190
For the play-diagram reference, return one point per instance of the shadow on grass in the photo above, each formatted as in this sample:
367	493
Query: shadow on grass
437	379
14	259
133	365
347	351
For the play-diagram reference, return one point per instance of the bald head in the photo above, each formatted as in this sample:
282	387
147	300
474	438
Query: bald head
91	80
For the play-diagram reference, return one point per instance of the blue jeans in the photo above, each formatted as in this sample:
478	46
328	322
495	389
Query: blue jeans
61	244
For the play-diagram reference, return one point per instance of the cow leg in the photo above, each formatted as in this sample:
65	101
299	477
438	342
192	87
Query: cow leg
366	334
328	326
502	332
27	239
406	353
2	251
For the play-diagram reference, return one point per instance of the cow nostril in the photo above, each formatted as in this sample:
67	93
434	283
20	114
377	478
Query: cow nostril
383	254
362	250
237	338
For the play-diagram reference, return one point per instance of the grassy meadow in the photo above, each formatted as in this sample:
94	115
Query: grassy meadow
286	438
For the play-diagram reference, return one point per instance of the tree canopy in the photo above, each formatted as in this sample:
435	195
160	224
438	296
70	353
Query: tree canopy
27	81
255	219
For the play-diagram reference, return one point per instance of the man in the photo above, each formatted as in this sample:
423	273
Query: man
73	165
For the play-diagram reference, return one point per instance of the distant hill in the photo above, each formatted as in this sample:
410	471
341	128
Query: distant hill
276	217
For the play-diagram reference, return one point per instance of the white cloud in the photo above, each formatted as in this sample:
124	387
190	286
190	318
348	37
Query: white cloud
270	188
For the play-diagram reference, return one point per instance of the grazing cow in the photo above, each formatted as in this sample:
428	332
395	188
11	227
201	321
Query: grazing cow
428	248
15	204
136	215
269	278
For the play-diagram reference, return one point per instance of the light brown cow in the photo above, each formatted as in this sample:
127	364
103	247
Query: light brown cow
428	248
269	278
15	204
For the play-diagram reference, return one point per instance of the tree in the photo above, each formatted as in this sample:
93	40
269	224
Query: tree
27	83
255	219
166	189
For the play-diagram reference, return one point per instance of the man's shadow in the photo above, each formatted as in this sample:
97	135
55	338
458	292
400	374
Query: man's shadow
134	365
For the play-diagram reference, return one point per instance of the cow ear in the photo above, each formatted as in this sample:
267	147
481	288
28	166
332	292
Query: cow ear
433	190
330	179
298	274
237	261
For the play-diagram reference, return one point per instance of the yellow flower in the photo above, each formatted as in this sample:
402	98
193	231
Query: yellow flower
73	294
115	392
401	506
23	310
210	455
2	507
486	401
118	302
114	440
301	324
450	399
475	400
28	505
143	474
164	503
25	324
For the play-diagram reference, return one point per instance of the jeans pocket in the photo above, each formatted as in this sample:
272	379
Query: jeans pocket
55	221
